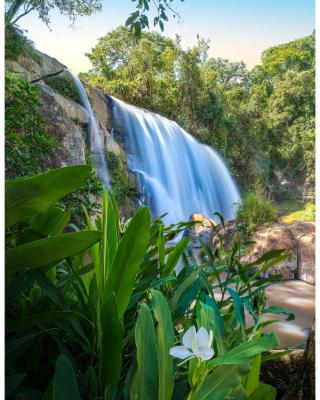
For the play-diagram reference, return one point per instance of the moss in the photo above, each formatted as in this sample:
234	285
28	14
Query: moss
66	87
122	186
307	214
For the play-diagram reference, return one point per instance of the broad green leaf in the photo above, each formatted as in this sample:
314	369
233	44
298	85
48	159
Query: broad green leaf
145	381
30	196
94	250
264	392
12	382
174	256
269	255
268	265
279	310
183	287
51	221
130	253
238	394
275	355
161	249
41	318
112	332
251	381
16	286
165	340
220	330
112	229
104	267
205	316
64	382
245	352
239	310
49	250
221	382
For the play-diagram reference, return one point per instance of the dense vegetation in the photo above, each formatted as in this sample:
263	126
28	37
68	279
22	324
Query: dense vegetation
262	121
28	147
105	306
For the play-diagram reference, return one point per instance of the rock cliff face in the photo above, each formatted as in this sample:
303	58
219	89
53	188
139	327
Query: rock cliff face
65	118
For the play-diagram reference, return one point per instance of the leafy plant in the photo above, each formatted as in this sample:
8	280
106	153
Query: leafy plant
65	86
28	147
255	210
107	305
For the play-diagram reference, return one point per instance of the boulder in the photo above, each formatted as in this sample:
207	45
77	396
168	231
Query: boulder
35	65
201	232
66	120
297	238
275	237
304	234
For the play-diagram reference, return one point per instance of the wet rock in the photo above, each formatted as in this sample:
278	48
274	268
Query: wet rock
201	232
297	238
66	120
275	237
304	234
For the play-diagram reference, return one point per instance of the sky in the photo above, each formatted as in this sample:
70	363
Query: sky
238	30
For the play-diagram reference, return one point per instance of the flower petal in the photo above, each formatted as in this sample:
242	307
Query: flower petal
205	353
180	352
189	337
202	337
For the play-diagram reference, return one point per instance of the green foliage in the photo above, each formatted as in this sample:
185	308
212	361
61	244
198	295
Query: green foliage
65	86
123	185
261	121
138	20
254	211
107	316
17	44
28	147
16	9
307	214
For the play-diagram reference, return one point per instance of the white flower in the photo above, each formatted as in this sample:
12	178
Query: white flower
195	344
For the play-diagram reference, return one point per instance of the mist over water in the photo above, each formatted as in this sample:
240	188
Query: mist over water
176	174
96	146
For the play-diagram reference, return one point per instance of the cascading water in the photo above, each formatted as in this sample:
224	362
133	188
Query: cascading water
96	147
176	174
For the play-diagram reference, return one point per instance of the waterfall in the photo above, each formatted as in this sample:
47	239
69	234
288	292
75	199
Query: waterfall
96	146
176	174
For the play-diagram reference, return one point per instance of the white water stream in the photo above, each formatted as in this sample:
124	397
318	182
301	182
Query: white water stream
176	174
96	146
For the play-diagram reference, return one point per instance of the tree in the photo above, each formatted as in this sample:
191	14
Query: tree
138	20
16	9
261	121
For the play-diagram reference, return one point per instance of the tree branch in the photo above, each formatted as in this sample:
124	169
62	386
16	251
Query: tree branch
22	15
47	76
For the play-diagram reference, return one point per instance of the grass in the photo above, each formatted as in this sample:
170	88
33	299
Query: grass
308	213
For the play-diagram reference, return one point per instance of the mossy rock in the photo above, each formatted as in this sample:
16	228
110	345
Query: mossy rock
65	86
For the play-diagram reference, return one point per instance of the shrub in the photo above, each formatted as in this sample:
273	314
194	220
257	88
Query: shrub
254	211
27	145
65	86
105	304
17	44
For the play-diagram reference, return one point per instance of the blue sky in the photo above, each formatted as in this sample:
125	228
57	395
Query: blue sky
237	29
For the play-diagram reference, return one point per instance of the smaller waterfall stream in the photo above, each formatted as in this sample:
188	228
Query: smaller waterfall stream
96	146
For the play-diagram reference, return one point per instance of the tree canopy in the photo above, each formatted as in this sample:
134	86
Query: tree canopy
262	121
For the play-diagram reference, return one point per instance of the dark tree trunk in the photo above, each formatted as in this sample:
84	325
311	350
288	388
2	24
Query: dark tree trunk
307	388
